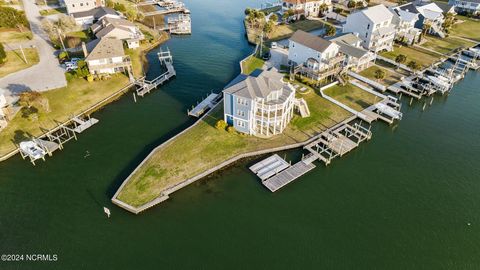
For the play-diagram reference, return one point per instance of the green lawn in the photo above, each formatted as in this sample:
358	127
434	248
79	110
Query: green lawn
352	96
203	147
83	35
446	45
422	57
390	77
15	61
469	28
283	31
52	11
13	36
78	96
252	63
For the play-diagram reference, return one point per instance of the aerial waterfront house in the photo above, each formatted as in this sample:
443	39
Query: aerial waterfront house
404	22
466	6
313	56
373	26
356	57
3	106
106	56
74	6
120	29
259	104
308	8
88	17
429	14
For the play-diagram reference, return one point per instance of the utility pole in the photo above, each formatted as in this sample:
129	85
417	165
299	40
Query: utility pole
60	37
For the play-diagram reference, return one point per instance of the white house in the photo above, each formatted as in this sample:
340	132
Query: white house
314	55
119	29
404	22
259	104
308	8
106	56
466	6
430	14
87	18
356	57
3	105
373	26
74	6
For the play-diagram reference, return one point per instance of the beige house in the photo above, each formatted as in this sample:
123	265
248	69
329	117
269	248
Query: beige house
308	8
120	29
74	6
86	18
356	57
106	56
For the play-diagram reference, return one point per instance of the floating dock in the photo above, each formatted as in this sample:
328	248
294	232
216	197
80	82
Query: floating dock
275	172
205	105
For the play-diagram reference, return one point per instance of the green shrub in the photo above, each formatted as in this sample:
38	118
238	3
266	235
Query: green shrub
12	18
3	54
231	129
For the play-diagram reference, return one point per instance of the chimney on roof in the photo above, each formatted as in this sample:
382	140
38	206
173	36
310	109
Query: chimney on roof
84	48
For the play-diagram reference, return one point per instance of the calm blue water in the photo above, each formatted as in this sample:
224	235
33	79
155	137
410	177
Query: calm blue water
401	201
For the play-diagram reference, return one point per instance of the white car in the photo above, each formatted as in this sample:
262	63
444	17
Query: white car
274	45
69	66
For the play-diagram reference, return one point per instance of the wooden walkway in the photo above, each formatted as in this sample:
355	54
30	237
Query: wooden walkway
145	86
204	105
288	175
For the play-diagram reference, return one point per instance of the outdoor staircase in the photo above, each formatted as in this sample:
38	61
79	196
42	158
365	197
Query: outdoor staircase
302	107
438	30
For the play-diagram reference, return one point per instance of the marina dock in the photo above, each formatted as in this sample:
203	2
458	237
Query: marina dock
275	172
144	86
205	105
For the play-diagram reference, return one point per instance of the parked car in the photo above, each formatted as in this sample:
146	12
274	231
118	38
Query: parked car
69	66
266	56
274	45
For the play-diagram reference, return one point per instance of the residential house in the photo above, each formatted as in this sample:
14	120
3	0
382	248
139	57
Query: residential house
466	6
356	57
106	56
374	27
404	22
259	104
429	14
313	56
117	28
74	6
308	8
447	7
87	18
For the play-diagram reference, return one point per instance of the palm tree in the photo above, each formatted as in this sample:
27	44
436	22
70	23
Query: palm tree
400	59
380	74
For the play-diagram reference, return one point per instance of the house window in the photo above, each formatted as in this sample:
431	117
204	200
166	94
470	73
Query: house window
366	35
240	123
73	5
368	26
81	4
240	113
242	101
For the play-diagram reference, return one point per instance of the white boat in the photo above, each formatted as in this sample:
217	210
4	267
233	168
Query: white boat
32	149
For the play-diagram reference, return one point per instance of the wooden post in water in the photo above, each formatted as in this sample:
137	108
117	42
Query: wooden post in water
134	98
431	101
424	105
411	100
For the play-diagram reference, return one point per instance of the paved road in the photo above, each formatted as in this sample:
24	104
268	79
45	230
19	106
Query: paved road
47	74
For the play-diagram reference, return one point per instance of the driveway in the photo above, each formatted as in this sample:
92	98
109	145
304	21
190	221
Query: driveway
279	57
47	74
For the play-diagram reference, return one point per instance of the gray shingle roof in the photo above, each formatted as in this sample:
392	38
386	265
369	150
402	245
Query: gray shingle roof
97	13
104	48
257	85
316	43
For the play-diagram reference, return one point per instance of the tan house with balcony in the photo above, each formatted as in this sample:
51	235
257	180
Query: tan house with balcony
356	57
106	56
308	8
314	57
120	29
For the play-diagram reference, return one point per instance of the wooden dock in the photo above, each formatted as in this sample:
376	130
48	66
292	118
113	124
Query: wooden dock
145	86
205	105
288	175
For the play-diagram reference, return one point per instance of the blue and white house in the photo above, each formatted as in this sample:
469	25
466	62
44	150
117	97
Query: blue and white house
259	104
466	6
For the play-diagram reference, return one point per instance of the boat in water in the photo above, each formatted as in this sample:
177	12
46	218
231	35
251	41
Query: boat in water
32	149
